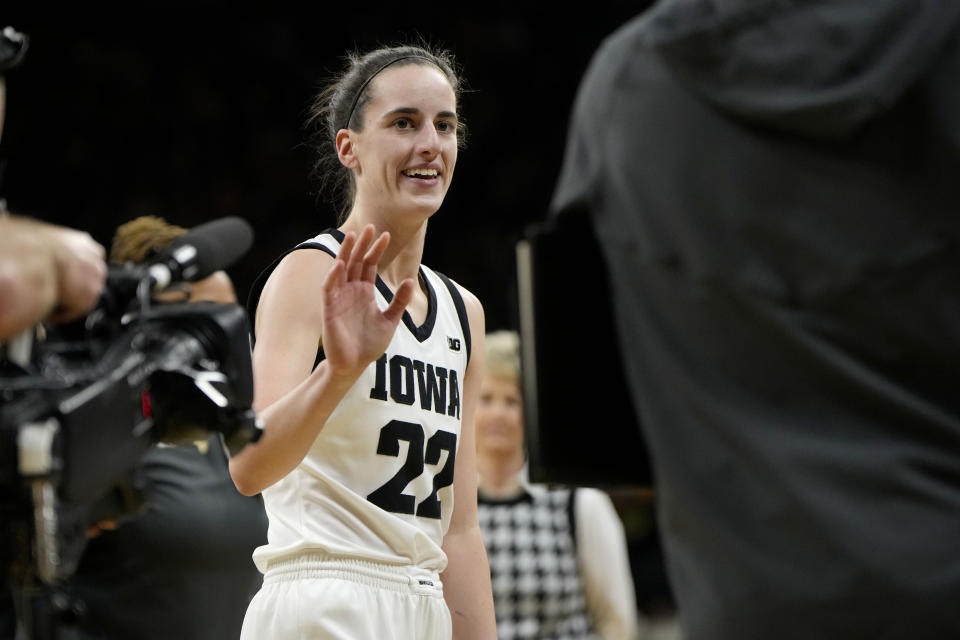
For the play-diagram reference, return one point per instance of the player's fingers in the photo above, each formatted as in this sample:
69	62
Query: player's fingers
401	299
335	277
372	257
355	264
346	247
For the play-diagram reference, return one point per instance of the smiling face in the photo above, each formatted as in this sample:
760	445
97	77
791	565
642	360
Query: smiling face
500	417
404	156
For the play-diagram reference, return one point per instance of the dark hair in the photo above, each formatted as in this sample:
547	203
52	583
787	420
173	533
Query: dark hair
342	102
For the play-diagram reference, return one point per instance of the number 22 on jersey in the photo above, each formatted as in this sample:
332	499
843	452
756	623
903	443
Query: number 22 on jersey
390	496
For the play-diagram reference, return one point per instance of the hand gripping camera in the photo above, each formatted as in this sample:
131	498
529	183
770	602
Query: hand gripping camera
76	418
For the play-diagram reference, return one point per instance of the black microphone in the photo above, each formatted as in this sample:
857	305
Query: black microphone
198	253
201	251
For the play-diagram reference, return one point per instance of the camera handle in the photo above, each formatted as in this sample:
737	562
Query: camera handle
37	464
44	609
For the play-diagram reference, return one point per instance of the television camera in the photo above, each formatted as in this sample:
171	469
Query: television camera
79	409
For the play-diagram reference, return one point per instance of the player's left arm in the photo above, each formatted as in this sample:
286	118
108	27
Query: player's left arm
466	580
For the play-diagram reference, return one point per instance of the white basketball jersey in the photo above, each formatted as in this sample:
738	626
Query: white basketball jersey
377	483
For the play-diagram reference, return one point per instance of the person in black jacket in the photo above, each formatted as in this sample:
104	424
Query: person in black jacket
773	185
180	567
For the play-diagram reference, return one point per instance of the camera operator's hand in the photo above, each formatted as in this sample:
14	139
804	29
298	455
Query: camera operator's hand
47	272
81	271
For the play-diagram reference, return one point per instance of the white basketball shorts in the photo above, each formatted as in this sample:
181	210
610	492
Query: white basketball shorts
317	597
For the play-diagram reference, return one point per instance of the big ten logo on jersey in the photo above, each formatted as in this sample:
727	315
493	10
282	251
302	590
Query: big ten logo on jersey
428	463
436	387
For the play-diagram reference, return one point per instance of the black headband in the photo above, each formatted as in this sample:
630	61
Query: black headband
363	87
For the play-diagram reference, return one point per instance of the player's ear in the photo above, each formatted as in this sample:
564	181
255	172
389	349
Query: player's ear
346	149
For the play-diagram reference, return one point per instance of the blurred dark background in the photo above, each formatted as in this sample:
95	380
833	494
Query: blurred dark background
195	111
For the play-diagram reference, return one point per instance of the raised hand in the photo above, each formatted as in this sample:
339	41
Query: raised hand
355	331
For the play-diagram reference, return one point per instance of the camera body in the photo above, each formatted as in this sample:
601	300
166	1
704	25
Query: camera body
77	418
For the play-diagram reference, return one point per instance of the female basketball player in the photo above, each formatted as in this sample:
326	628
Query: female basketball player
367	369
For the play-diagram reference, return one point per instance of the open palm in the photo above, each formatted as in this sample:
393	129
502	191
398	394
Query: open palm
355	330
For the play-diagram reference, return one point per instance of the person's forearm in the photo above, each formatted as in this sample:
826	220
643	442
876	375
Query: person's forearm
466	586
28	279
291	424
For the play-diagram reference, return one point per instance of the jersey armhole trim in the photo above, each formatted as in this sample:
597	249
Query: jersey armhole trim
253	298
461	310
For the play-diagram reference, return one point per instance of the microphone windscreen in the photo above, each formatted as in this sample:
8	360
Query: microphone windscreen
219	243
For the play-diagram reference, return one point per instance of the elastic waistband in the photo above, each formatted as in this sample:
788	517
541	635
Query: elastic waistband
315	565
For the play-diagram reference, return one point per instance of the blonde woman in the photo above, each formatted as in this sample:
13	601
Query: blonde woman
558	555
